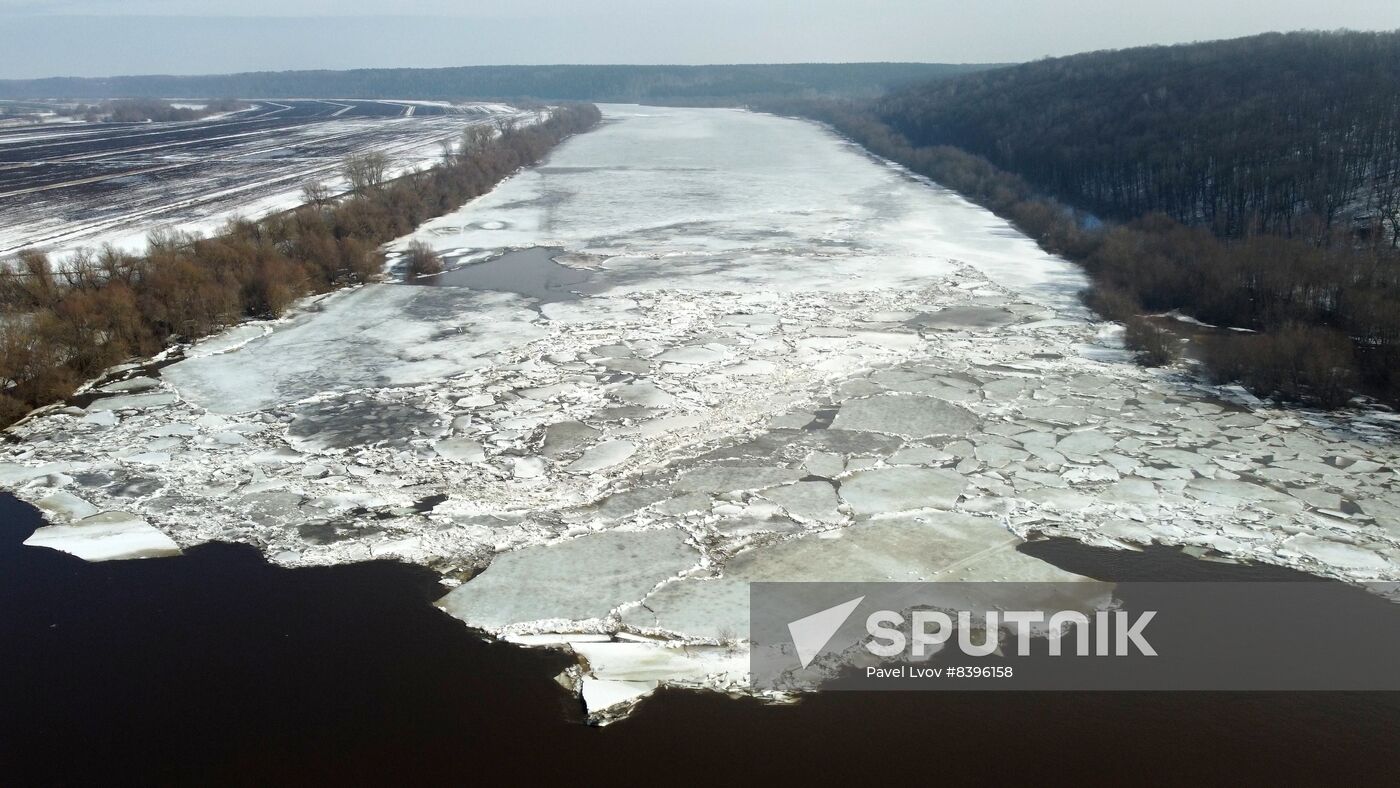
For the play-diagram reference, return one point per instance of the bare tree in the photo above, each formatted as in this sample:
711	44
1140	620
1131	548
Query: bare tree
476	136
28	282
505	124
449	152
366	171
316	193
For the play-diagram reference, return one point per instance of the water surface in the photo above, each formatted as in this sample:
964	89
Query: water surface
216	667
531	272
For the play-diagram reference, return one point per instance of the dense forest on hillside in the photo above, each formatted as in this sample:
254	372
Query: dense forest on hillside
1281	133
687	84
1320	296
65	325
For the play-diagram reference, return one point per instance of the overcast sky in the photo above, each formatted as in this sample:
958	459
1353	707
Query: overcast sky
109	37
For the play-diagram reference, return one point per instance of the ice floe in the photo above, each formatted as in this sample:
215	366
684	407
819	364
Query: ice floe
578	580
104	537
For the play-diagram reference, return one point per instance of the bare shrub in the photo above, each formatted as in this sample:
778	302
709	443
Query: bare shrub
1112	303
421	261
1301	363
12	409
1154	346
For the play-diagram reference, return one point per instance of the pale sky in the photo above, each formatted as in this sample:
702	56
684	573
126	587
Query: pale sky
110	37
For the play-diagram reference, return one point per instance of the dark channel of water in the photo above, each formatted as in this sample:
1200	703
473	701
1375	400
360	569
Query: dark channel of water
218	668
530	272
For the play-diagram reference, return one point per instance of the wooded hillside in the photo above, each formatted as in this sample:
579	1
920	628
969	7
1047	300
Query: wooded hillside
1286	134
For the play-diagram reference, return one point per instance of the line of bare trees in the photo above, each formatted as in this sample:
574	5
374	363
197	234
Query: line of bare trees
62	325
138	110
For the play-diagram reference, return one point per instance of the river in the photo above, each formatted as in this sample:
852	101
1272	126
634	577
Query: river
750	353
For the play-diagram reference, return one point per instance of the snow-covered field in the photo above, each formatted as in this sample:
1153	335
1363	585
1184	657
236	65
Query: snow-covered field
65	186
790	362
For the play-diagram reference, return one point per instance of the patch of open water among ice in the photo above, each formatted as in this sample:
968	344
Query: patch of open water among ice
533	273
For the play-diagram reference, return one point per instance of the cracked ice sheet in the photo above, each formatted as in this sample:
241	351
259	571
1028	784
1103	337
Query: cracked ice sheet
374	336
738	343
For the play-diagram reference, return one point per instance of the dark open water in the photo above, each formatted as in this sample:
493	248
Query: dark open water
531	272
216	668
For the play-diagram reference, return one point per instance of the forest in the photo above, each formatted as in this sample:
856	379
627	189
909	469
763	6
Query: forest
657	84
66	324
1249	184
1287	134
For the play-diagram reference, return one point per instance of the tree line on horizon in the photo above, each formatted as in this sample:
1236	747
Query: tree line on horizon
61	325
617	83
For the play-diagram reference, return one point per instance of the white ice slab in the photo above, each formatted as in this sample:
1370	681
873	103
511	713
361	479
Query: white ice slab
105	537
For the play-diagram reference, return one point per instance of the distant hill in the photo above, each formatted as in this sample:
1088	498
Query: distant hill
673	84
1252	134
